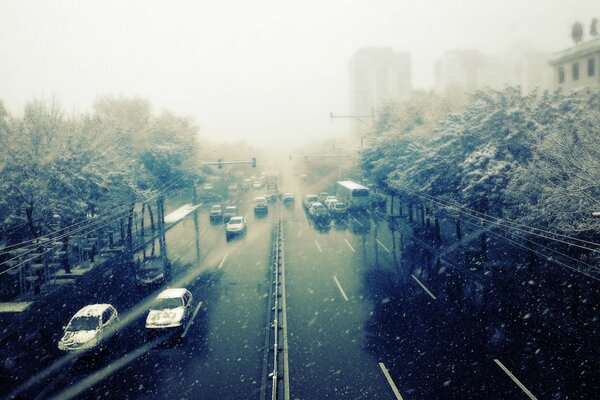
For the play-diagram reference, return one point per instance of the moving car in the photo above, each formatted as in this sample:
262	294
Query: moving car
216	213
289	199
309	200
323	197
170	310
235	226
88	329
260	205
330	201
339	209
230	211
150	272
318	211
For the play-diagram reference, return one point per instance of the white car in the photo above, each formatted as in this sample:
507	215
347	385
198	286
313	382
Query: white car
170	310
235	226
88	328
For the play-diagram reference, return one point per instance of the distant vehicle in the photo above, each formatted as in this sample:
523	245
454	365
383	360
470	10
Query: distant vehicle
170	310
323	197
260	205
216	213
151	272
272	196
208	186
230	211
355	196
289	199
318	211
235	226
309	200
247	184
233	187
88	328
339	209
257	185
303	177
272	181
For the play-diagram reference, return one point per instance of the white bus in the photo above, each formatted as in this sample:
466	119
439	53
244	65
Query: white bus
355	196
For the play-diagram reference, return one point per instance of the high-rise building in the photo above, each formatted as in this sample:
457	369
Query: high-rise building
377	75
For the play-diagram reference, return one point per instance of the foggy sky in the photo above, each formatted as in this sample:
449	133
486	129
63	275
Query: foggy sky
266	72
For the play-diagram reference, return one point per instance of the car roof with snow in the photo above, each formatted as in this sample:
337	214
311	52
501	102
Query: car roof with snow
173	293
92	310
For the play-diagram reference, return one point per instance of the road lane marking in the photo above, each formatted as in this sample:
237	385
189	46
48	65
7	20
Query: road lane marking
390	381
381	244
191	321
177	258
423	286
202	231
318	246
222	262
515	380
340	287
299	233
349	245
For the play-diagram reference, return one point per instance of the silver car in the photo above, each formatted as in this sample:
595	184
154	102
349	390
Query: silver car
89	328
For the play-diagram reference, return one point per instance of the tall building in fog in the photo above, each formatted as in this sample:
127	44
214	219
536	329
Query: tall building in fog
377	75
468	70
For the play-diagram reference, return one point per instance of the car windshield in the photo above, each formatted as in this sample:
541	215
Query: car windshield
340	206
216	208
235	220
146	272
166	304
88	323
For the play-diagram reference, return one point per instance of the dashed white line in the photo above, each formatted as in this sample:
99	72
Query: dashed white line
382	245
318	246
515	380
349	245
177	258
191	321
423	286
299	233
390	381
340	287
222	262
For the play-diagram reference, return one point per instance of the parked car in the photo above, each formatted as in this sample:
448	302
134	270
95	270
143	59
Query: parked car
170	310
89	328
318	211
235	226
309	200
230	211
216	213
339	209
260	205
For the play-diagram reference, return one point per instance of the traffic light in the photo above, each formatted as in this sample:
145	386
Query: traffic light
253	162
220	163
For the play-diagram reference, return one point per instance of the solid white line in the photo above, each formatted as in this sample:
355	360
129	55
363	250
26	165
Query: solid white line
349	245
515	380
381	244
390	381
191	321
340	287
423	286
222	261
318	246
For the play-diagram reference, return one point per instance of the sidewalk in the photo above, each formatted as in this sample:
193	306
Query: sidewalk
105	255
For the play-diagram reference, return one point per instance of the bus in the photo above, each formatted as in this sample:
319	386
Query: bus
355	196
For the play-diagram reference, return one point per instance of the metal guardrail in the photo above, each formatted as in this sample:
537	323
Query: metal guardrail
276	331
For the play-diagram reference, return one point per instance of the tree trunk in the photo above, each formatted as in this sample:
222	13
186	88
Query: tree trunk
151	215
458	230
29	214
130	227
410	212
142	221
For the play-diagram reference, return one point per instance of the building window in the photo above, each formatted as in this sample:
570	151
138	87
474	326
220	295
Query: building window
561	75
591	67
575	71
